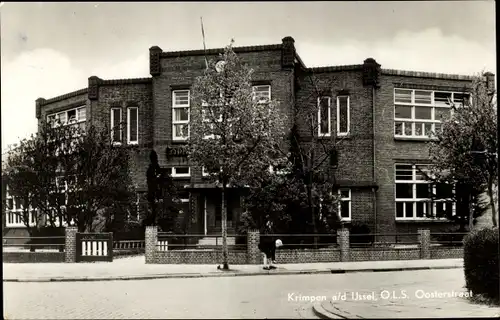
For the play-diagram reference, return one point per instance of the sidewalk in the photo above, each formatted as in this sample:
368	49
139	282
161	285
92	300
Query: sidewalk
135	268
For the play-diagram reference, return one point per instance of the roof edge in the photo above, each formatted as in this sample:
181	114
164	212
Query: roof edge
200	52
421	74
63	96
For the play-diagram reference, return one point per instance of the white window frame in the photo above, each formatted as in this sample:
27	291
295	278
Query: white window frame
185	122
434	122
327	134
254	94
77	119
13	216
205	119
340	133
174	174
129	126
119	125
414	200
205	173
345	199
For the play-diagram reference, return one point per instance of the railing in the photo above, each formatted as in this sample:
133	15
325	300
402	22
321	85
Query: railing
374	240
168	241
128	247
303	241
33	243
451	239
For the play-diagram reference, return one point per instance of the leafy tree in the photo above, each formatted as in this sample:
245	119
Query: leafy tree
232	134
66	174
465	150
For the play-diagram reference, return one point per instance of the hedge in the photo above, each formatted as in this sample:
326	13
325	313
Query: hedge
481	262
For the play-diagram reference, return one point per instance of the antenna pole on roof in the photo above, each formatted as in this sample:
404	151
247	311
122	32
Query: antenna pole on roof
204	46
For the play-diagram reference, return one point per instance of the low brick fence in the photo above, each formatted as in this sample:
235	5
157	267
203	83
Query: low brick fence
33	257
420	247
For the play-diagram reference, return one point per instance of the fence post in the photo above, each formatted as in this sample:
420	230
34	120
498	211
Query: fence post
424	239
70	244
343	242
253	252
151	238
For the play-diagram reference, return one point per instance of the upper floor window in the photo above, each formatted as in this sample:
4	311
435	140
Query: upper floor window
418	198
132	125
262	93
75	117
418	113
324	116
116	125
343	115
180	114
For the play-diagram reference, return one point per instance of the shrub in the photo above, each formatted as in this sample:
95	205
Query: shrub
481	262
359	234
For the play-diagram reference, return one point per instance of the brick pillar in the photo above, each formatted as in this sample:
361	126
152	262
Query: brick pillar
70	244
151	241
424	239
253	252
343	242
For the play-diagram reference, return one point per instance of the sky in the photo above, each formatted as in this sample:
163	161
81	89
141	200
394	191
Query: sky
48	49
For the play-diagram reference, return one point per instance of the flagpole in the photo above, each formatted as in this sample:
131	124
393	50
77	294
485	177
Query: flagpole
204	46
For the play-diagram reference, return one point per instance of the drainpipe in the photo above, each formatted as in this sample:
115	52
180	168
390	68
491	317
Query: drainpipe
374	192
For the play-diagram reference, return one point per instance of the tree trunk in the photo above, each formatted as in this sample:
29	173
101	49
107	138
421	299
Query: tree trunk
492	203
470	211
225	253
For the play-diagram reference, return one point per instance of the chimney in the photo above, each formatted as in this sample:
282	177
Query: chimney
490	81
155	60
39	103
371	72
93	92
288	53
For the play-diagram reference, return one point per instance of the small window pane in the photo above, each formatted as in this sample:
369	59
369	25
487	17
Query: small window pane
325	119
402	95
180	130
181	98
344	193
398	128
421	206
182	170
423	97
428	129
262	94
399	209
71	116
423	113
409	209
404	172
82	114
444	191
181	114
442	113
419	128
423	191
408	128
133	124
403	112
442	98
404	190
62	117
344	209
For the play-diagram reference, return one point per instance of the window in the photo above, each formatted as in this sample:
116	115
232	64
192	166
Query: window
345	204
209	118
15	212
75	117
417	198
262	94
324	116
132	125
343	116
179	172
180	116
116	125
418	113
206	173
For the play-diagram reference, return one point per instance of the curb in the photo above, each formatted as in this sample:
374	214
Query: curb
221	274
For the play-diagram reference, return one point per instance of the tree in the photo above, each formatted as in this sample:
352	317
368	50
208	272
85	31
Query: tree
232	135
68	174
465	150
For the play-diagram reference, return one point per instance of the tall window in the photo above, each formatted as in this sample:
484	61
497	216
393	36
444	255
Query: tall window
132	125
262	93
180	117
343	115
417	198
116	125
70	117
345	204
418	113
324	116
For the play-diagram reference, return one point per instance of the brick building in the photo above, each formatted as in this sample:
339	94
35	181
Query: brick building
383	115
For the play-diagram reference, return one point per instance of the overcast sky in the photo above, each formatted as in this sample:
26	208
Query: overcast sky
49	49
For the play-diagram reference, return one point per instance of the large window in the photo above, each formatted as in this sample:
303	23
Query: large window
417	198
343	115
116	125
180	114
418	113
324	116
132	125
74	117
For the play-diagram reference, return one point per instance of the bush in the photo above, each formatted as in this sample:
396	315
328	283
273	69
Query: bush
481	262
363	231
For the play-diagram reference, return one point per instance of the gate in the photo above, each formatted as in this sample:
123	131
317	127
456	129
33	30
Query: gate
94	247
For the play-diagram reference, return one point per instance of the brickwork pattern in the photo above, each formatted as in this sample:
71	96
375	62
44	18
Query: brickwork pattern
253	252
424	243
70	244
307	255
382	254
343	243
33	257
199	257
151	239
446	253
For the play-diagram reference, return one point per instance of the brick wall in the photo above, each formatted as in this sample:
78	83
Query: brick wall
446	253
33	257
199	257
382	254
306	255
70	245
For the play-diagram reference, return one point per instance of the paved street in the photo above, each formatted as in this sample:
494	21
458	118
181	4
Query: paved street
233	297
